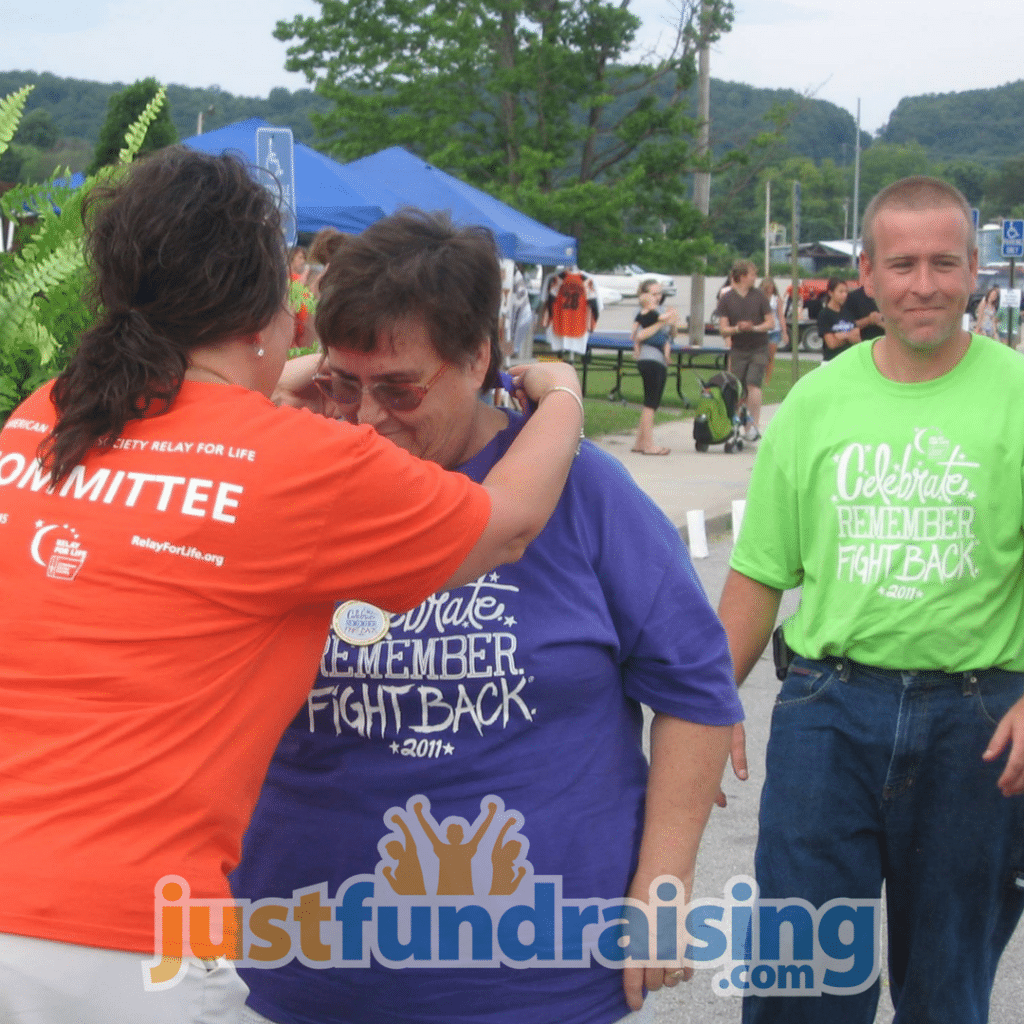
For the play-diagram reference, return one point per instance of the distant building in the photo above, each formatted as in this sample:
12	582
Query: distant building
815	257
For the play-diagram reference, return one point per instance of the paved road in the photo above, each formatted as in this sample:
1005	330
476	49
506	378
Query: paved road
728	850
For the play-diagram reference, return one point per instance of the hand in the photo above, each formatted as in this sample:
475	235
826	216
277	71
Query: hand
875	317
1010	730
296	388
738	752
636	979
744	325
537	379
738	756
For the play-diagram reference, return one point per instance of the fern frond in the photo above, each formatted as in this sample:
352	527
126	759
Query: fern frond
29	332
136	135
10	114
36	199
33	277
33	274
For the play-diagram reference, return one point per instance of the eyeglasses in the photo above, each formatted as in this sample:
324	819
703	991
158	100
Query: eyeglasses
395	397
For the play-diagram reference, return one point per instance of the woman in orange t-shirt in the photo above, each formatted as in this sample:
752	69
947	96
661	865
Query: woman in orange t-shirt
173	550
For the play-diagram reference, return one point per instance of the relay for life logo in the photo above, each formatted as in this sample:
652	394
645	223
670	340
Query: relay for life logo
57	549
452	893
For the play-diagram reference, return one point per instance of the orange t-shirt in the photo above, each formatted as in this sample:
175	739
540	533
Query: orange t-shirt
162	615
571	314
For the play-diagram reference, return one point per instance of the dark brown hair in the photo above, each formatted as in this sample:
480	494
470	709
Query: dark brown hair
185	250
414	265
740	268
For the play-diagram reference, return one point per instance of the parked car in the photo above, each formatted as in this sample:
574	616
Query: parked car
535	279
628	277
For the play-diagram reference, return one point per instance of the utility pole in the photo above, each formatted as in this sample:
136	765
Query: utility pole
856	188
767	227
794	270
702	179
199	119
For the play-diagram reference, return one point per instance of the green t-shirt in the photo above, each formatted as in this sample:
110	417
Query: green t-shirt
899	509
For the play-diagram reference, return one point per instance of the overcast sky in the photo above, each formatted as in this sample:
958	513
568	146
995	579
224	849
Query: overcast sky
875	50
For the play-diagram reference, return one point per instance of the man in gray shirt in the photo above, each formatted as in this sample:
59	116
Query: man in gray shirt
745	318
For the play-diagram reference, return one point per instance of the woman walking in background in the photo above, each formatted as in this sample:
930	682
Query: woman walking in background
780	335
986	317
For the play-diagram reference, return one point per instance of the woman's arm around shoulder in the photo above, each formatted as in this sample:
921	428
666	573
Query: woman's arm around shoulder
525	484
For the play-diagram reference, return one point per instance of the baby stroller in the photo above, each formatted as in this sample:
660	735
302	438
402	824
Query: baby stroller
718	415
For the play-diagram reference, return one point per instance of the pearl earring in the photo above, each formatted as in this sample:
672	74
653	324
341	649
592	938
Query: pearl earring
259	353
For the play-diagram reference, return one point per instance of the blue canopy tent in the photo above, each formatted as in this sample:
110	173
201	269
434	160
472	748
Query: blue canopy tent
396	178
323	197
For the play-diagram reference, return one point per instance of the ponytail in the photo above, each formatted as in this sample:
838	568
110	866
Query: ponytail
185	251
122	371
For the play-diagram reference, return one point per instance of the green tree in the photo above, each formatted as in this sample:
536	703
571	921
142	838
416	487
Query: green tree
37	129
968	176
12	163
123	111
1004	189
529	99
885	163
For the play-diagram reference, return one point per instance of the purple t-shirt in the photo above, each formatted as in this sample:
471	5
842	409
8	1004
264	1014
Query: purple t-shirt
490	741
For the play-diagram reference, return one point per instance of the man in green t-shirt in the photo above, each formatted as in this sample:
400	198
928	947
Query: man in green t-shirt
890	486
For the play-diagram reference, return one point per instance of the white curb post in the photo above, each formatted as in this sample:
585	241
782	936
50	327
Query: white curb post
739	506
697	533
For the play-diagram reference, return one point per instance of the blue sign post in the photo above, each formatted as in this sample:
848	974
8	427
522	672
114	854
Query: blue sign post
1013	239
275	154
1013	250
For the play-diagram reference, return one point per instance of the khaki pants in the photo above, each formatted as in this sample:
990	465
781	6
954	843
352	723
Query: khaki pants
43	982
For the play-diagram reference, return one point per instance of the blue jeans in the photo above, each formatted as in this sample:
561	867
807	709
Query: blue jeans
875	774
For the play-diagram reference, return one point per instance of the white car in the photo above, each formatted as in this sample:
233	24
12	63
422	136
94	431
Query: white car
628	277
607	296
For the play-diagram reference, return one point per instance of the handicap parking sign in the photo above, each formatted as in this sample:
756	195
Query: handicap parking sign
275	154
1013	239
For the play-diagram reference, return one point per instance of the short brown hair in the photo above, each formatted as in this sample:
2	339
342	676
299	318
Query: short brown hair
916	193
740	269
419	265
326	242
